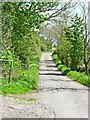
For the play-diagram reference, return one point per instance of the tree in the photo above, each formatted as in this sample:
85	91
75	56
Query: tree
83	7
75	35
19	22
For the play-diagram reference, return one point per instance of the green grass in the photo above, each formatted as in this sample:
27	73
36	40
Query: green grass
80	77
26	82
27	99
77	76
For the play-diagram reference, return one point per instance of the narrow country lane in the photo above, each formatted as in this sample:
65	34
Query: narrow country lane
57	97
68	98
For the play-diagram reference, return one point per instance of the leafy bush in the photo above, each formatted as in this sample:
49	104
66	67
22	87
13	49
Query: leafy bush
58	62
36	59
77	76
65	70
27	80
60	66
54	56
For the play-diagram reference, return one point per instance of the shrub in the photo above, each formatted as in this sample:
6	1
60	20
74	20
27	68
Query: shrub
77	76
27	80
60	67
58	62
65	70
54	56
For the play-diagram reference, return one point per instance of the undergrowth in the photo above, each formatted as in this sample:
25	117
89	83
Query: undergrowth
26	82
77	76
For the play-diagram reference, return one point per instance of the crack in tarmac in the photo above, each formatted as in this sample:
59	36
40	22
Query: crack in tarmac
51	79
59	96
60	89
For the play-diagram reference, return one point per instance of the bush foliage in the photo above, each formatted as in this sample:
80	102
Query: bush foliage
22	44
77	76
25	82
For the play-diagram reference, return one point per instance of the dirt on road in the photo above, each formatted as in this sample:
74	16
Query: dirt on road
57	97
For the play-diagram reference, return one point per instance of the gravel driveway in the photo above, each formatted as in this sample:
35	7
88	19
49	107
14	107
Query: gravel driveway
58	96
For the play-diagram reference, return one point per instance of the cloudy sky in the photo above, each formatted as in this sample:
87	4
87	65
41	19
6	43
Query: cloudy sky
87	0
77	0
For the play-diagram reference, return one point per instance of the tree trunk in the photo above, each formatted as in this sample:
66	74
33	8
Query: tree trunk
85	59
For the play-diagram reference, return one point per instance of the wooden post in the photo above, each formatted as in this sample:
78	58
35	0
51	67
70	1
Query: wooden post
9	79
10	69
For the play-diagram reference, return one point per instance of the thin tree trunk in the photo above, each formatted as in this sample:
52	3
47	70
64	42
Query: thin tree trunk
85	46
85	59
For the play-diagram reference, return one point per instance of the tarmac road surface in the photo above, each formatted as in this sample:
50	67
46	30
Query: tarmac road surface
58	96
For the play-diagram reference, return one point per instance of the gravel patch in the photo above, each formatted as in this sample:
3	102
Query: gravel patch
16	108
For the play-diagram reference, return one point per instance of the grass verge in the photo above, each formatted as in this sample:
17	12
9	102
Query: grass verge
26	99
77	76
26	82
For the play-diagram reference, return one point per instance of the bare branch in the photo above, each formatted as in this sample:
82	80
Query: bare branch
30	6
59	11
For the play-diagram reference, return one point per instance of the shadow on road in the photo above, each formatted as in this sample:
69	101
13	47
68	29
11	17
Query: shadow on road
48	70
57	74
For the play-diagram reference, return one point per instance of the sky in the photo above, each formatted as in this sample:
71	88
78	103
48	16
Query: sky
77	0
87	0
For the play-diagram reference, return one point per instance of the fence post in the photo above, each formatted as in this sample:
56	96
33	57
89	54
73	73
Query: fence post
9	79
